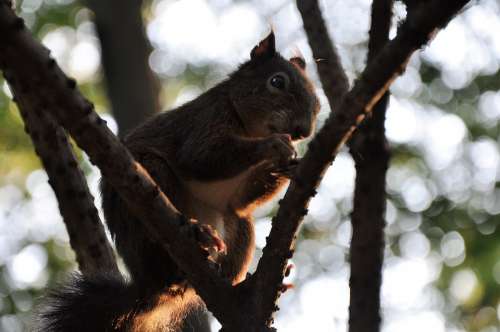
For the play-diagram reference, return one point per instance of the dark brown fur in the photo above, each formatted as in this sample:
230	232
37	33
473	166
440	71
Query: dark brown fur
217	158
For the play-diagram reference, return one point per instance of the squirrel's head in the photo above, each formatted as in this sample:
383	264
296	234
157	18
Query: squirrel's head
273	95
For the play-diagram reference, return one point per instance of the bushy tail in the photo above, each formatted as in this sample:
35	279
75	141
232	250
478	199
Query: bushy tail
107	303
99	303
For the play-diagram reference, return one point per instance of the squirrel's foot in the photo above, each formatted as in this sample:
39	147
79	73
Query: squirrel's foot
208	238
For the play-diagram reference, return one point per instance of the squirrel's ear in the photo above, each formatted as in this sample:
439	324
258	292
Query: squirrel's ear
266	48
299	62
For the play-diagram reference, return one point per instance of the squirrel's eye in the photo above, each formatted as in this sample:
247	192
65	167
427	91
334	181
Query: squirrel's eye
278	82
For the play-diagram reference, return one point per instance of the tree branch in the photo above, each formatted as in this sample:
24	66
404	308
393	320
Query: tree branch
132	87
87	237
32	74
374	82
371	154
330	70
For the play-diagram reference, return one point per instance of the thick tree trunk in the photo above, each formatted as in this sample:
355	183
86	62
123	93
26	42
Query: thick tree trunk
132	87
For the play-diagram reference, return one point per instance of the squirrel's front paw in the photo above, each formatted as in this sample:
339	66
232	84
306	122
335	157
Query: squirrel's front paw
281	150
208	238
288	170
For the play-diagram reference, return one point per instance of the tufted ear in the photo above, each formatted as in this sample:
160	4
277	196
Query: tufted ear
299	62
265	49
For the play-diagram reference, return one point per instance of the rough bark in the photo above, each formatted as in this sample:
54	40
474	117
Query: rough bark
370	151
249	305
36	78
338	128
132	87
87	237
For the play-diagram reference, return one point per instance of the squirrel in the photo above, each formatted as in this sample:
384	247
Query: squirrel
217	158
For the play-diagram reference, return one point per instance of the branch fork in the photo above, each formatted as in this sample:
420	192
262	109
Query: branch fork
39	85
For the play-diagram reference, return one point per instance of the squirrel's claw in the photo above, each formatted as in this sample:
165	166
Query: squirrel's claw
178	288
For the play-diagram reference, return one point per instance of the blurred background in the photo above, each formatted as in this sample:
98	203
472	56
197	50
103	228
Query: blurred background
442	255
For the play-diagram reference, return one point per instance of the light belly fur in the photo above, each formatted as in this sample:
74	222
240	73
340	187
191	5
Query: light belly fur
212	199
218	194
